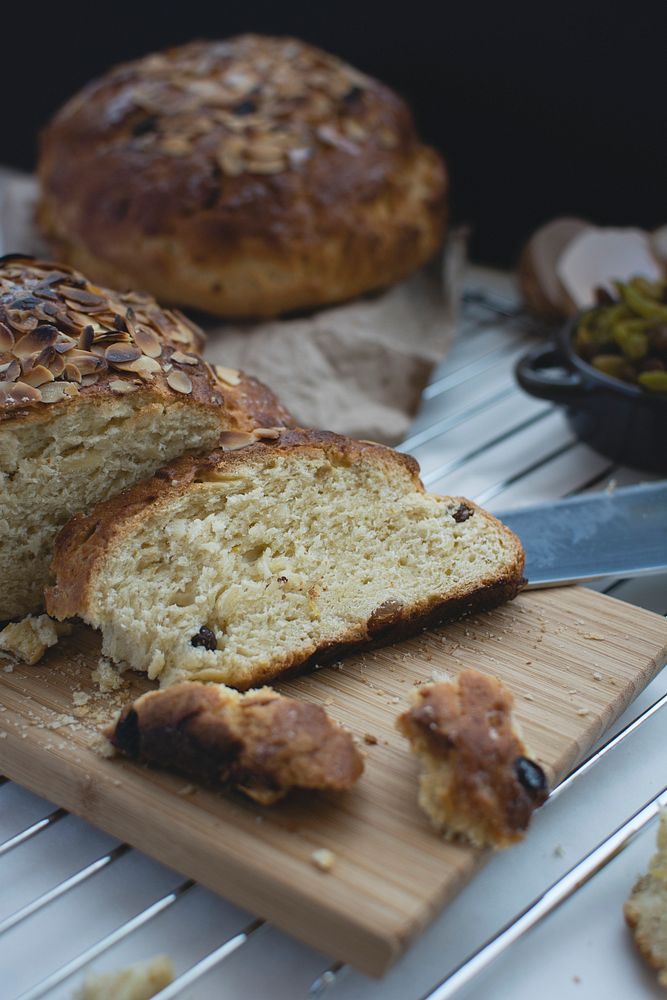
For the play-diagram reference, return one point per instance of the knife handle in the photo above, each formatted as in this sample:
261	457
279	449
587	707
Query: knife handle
546	373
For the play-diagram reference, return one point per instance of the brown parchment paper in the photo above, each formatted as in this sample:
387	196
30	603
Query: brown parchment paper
358	368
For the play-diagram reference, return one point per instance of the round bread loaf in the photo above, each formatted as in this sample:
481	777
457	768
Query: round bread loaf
249	177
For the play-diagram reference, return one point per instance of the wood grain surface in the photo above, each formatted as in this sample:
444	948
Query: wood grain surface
573	658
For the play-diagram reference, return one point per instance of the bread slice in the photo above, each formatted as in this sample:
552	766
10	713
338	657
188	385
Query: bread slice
477	782
646	909
278	555
260	743
97	390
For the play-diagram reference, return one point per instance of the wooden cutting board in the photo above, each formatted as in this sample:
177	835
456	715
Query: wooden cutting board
573	658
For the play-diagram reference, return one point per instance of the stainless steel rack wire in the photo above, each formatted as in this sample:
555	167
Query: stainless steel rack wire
476	434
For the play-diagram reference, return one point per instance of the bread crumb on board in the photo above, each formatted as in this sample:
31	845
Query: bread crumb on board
29	639
140	981
107	677
323	859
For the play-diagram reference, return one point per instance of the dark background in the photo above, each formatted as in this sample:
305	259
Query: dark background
540	108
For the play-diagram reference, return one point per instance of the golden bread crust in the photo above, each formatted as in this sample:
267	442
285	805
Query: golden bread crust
480	784
84	542
261	743
64	340
249	177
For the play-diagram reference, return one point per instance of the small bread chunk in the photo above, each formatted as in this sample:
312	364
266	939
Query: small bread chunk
30	638
477	782
261	743
137	982
646	909
276	554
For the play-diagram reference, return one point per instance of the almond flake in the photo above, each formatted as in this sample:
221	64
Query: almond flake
122	388
229	375
184	359
179	382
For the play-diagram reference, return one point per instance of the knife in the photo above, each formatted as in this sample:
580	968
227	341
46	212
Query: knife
619	533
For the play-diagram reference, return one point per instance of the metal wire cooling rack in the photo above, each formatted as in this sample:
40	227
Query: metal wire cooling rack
73	897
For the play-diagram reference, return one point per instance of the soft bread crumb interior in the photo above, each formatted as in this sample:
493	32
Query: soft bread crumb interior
70	460
278	557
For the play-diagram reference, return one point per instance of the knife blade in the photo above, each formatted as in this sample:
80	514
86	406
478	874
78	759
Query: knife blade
619	533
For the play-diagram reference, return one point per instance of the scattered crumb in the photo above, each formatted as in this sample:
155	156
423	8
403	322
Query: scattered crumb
529	697
370	739
30	638
140	981
395	701
611	486
558	851
439	675
80	698
187	790
3	736
107	677
101	745
323	859
597	676
576	979
582	711
9	668
592	635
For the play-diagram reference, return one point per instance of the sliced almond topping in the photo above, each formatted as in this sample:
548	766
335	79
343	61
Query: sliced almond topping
38	375
267	433
179	381
10	371
12	393
54	392
147	341
229	375
122	353
72	373
180	336
122	388
35	341
86	361
184	359
81	297
144	366
233	440
86	338
6	338
56	364
89	379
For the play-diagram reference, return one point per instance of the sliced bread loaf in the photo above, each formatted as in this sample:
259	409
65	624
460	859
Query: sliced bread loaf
98	389
275	555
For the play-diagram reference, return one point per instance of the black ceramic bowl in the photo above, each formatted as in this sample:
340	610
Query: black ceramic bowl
618	419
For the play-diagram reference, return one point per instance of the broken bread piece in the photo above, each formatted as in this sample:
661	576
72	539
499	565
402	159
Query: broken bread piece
261	743
646	909
477	782
277	555
29	639
140	981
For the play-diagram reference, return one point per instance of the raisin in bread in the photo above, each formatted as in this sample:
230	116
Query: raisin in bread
277	555
97	391
260	742
476	782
